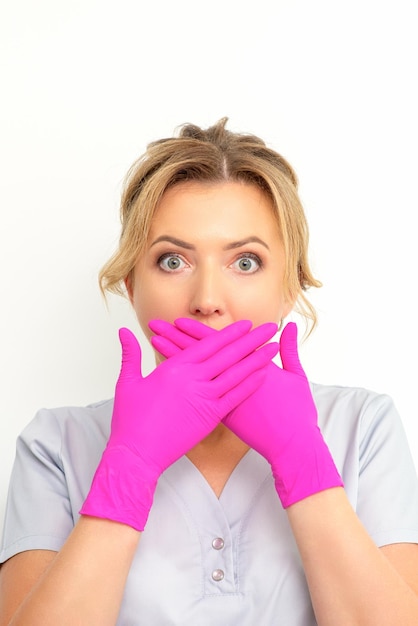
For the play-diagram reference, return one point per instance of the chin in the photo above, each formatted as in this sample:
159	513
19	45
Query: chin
159	358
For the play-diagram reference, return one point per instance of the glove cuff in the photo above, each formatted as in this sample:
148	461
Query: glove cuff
307	473
122	489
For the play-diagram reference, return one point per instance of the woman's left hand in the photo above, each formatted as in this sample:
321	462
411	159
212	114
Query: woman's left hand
279	420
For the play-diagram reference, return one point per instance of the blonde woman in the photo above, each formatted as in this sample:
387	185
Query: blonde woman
222	487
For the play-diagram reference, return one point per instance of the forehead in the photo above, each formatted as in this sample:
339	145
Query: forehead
227	208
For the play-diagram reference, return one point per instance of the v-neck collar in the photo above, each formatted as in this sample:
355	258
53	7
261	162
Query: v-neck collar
238	494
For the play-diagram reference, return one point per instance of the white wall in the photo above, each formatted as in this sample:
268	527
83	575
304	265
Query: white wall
86	84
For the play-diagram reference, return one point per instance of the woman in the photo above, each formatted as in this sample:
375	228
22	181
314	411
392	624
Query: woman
206	492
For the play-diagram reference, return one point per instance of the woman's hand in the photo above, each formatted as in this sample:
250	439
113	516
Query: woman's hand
279	420
158	418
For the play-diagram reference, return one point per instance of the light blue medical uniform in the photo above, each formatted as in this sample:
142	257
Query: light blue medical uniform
201	560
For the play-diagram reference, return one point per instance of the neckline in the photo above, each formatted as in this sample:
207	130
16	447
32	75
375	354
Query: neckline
249	476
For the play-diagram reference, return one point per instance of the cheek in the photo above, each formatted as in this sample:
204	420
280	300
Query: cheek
261	311
260	301
151	301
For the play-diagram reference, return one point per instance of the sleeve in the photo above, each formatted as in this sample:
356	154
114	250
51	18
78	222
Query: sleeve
388	486
38	512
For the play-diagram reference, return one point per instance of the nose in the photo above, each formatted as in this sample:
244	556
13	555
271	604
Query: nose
208	296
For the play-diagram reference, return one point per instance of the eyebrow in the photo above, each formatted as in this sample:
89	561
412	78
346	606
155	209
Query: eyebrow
229	246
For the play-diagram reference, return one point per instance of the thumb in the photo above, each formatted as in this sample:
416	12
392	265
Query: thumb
131	355
289	349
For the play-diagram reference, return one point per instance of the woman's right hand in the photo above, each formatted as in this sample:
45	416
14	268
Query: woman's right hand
158	418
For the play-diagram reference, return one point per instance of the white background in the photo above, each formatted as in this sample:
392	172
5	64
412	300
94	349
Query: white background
85	84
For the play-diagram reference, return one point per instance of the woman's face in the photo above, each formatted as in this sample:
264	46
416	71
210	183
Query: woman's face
215	254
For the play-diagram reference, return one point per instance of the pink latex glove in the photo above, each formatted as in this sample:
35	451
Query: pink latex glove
159	418
279	420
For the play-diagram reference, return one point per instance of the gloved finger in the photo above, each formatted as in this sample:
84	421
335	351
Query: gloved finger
169	331
131	355
236	350
202	350
241	371
230	400
165	346
289	349
193	328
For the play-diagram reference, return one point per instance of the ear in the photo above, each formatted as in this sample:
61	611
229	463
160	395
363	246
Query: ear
129	287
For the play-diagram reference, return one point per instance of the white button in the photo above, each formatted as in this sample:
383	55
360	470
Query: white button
217	575
218	543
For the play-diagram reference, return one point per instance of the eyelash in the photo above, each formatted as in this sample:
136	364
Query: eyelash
167	255
244	255
253	257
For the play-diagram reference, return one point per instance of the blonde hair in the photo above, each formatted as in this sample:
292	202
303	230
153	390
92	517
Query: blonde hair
212	155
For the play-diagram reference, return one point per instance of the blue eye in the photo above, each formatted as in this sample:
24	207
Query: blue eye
249	263
170	262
